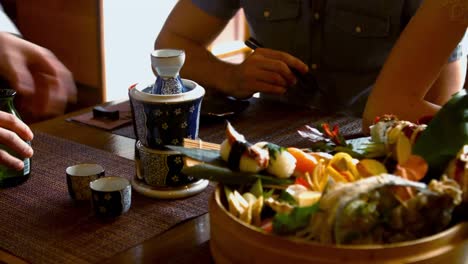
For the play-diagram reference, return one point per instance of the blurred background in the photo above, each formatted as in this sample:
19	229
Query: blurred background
106	43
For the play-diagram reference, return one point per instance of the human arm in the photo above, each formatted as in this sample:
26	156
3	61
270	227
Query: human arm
416	79
192	29
13	134
43	83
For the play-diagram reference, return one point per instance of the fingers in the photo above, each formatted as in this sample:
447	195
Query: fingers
20	78
45	63
265	81
53	82
10	161
37	75
51	100
13	64
284	57
267	71
15	125
13	133
279	73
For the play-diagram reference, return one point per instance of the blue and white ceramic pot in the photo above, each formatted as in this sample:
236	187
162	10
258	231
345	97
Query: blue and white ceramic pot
162	168
161	120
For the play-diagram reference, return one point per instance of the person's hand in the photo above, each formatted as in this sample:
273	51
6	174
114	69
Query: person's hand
266	71
43	84
13	134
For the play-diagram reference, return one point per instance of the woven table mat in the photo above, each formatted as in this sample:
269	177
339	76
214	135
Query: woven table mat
41	224
267	121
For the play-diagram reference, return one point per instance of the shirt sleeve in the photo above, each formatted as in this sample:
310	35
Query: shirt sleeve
224	9
6	25
461	49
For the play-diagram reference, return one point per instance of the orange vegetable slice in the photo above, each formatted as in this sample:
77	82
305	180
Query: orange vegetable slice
304	162
415	168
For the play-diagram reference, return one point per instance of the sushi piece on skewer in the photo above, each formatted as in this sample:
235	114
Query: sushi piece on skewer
282	163
242	155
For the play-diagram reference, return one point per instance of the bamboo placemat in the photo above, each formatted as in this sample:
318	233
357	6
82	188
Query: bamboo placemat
41	224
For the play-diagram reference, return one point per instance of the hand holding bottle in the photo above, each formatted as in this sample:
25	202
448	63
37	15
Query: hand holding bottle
13	135
15	143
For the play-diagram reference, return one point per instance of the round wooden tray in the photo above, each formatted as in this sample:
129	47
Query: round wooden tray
233	241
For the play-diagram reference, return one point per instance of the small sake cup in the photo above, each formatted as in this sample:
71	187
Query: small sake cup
78	178
167	62
111	196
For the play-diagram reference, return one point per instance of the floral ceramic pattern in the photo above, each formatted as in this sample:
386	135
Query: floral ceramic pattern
126	199
140	122
113	203
78	186
166	123
155	168
168	85
163	169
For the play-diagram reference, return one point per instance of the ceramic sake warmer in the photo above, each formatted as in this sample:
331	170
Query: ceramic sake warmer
162	167
167	119
164	113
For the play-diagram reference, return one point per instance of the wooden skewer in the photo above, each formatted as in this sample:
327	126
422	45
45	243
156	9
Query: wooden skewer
200	144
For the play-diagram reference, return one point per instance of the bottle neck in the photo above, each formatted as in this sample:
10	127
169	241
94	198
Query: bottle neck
7	105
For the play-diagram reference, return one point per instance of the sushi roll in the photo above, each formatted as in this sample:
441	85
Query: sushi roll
282	163
388	128
242	155
379	130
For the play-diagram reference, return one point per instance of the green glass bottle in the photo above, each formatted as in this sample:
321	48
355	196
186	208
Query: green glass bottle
10	177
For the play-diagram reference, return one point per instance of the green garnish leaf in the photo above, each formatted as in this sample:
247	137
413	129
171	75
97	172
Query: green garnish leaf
287	197
273	149
227	176
444	136
284	224
257	188
268	194
205	155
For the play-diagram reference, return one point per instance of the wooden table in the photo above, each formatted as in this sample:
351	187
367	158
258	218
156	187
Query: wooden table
262	121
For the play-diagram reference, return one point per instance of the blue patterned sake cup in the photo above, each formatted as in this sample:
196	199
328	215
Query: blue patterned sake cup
162	168
78	178
111	196
161	120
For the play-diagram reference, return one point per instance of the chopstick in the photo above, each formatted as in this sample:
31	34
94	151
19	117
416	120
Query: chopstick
253	43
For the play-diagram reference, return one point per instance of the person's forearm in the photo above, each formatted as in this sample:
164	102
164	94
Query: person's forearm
414	65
